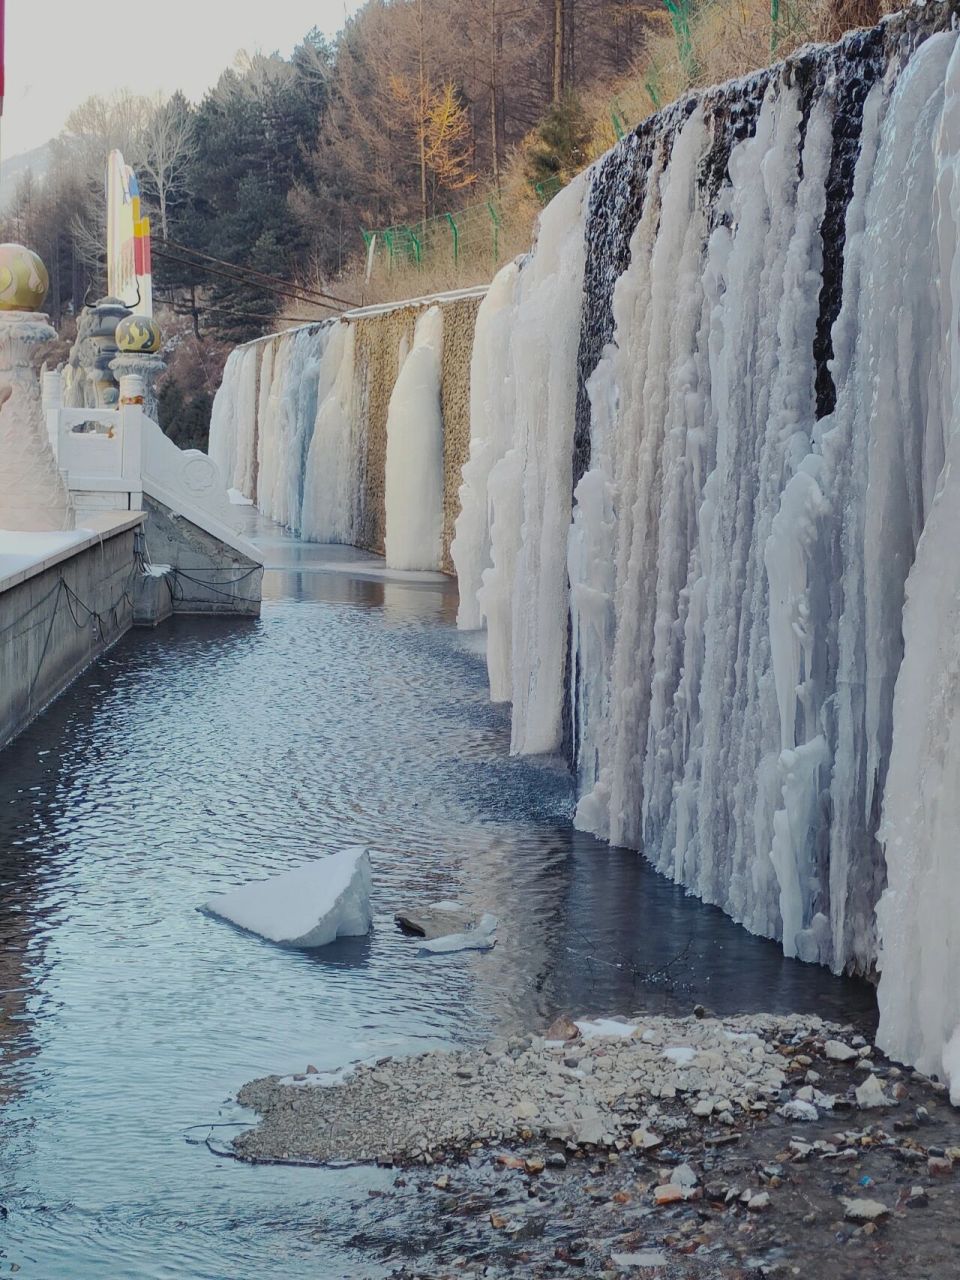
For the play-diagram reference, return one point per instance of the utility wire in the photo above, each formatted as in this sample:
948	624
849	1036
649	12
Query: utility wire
246	315
309	293
238	277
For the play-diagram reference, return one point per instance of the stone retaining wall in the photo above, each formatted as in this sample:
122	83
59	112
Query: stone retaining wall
57	617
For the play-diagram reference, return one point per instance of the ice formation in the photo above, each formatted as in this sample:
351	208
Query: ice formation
709	516
919	994
414	470
307	907
491	430
483	937
332	484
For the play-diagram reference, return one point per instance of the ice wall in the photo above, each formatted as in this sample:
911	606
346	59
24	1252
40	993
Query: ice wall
708	519
919	936
757	436
300	424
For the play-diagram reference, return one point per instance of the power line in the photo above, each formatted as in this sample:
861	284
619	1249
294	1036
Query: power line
308	293
236	276
244	315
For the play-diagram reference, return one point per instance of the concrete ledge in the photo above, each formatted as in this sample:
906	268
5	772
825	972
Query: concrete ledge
56	617
100	526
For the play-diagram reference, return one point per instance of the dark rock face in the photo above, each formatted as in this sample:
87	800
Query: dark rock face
855	67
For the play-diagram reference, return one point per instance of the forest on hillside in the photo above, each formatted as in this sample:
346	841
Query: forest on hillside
414	109
427	134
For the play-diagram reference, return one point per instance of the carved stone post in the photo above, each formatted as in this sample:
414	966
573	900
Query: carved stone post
138	339
146	367
106	315
33	496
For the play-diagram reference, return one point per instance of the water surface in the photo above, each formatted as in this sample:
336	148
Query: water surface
207	753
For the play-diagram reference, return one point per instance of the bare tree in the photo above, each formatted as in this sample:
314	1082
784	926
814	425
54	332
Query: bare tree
169	147
100	125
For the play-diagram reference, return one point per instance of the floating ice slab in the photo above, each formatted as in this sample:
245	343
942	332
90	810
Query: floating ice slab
306	907
481	938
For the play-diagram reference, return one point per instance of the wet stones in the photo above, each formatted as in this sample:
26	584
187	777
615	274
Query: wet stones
837	1051
864	1210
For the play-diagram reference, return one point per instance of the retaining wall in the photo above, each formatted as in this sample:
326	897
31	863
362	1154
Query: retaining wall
57	616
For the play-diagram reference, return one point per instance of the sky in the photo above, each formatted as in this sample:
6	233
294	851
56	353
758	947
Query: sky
59	52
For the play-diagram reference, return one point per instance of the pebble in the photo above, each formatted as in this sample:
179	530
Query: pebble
799	1110
684	1176
668	1193
870	1095
645	1258
837	1051
863	1210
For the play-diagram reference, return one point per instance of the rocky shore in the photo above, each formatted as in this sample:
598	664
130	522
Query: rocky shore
652	1146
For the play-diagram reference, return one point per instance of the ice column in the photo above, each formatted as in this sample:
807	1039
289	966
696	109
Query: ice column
491	435
331	493
544	343
414	469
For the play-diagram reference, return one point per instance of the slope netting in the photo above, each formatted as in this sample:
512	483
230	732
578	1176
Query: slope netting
473	232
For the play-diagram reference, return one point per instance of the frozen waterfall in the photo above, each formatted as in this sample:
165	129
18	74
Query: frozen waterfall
413	482
710	513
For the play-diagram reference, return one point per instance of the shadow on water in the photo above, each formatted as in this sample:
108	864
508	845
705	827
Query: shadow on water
208	753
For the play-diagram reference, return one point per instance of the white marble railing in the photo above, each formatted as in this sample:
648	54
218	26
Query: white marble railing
111	458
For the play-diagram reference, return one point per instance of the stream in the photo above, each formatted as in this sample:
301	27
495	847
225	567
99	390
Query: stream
211	752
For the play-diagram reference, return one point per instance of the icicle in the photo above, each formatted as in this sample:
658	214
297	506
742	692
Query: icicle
414	472
544	353
491	436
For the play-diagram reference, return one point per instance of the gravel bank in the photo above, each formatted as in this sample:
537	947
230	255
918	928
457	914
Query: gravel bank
692	1149
604	1086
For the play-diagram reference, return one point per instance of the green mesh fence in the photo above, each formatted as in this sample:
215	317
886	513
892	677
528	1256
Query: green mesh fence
455	234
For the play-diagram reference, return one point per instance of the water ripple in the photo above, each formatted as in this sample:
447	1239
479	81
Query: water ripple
207	753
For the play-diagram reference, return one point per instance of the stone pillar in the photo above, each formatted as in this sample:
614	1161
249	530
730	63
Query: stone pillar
147	368
33	496
105	317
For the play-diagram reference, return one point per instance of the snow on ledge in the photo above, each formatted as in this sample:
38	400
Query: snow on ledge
19	550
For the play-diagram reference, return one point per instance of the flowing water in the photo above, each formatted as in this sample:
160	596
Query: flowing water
211	752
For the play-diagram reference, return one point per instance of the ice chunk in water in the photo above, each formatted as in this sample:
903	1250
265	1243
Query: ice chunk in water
306	907
481	938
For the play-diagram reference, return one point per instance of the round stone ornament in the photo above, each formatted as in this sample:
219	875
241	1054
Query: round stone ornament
23	279
138	335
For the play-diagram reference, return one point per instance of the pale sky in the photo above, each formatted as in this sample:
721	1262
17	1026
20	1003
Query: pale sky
61	51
